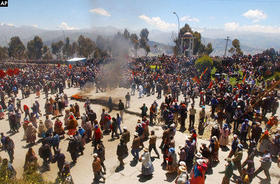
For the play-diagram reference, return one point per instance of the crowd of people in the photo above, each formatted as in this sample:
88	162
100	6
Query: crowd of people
245	110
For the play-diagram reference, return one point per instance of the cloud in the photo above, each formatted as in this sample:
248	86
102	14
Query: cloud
255	15
35	25
7	24
158	23
100	11
231	26
189	19
65	26
255	28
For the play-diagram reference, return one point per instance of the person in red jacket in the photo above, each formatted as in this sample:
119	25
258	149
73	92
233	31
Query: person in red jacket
97	136
26	111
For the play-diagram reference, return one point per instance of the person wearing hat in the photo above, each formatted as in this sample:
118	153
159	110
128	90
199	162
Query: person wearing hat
224	135
172	160
97	136
244	131
234	145
228	171
255	132
238	157
96	167
265	165
147	164
122	151
135	147
182	177
125	135
198	171
237	117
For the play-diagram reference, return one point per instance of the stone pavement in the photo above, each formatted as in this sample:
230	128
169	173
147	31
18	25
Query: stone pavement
82	171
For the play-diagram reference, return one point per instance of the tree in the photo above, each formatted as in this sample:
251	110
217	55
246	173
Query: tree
3	53
147	49
57	48
66	50
204	62
144	34
126	34
235	49
47	55
209	49
101	43
16	48
135	42
74	48
34	48
86	46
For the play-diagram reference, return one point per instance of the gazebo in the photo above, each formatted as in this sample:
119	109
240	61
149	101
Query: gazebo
187	44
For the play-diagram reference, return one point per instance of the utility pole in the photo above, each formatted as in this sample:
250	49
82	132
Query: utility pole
226	46
178	31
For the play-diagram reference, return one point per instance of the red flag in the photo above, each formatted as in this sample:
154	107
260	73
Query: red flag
244	78
16	71
10	72
2	74
195	79
58	65
203	73
210	84
239	86
70	66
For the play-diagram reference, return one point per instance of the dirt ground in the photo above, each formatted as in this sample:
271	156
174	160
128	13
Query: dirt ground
82	171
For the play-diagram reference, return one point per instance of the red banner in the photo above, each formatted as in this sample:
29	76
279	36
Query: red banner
210	84
2	74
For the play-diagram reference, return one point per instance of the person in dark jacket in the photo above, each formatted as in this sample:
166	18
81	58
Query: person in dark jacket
60	159
45	153
122	152
114	128
100	150
10	146
73	149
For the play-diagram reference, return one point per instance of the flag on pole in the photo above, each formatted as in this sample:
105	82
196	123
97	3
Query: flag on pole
203	73
244	78
210	84
195	79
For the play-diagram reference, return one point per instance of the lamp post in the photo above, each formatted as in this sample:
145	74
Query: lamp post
178	31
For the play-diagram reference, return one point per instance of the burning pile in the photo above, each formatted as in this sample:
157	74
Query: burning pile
77	96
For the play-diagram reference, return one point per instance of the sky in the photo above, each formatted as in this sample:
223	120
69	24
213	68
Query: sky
230	15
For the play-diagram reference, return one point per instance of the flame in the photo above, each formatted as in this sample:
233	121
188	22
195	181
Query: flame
77	96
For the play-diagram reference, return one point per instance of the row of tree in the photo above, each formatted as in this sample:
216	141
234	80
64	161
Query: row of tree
83	47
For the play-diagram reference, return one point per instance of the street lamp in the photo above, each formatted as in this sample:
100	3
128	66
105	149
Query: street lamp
178	30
